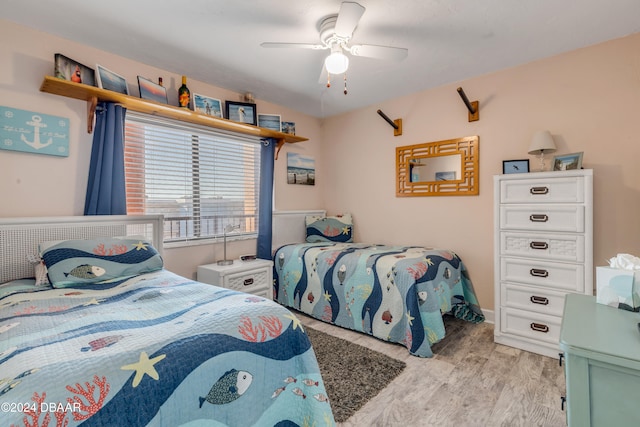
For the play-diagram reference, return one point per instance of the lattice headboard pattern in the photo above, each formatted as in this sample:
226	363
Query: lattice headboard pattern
290	227
19	237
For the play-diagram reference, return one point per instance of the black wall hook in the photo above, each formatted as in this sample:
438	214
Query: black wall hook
473	107
395	124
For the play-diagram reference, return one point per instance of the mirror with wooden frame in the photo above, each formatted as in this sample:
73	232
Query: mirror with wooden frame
441	168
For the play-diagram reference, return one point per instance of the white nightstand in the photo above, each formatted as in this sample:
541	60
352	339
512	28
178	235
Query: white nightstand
254	277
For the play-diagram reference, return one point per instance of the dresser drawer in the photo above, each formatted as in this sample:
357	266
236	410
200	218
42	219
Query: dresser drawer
567	218
540	327
532	298
552	275
543	190
558	247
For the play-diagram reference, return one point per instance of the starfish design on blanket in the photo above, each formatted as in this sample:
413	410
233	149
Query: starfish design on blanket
140	245
409	317
295	320
144	366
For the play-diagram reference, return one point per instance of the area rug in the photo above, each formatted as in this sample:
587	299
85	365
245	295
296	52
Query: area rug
352	374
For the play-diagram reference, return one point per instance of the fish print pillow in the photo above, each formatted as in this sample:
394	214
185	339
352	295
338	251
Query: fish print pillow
337	228
78	262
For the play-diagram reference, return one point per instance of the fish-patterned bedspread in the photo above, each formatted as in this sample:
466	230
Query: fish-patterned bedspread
158	350
394	293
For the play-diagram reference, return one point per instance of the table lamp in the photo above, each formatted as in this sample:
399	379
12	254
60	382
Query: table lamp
541	144
228	229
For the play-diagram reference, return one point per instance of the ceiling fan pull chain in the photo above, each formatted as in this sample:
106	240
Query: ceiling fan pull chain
345	83
328	79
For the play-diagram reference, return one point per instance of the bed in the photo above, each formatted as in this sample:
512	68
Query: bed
121	341
395	293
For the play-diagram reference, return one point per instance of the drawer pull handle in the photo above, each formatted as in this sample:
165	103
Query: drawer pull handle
539	190
539	300
539	327
563	401
560	357
539	245
248	282
538	218
538	272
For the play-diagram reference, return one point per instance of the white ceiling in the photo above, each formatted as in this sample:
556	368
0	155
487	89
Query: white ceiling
218	41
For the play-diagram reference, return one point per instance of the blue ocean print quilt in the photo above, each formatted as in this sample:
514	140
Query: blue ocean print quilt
394	293
157	350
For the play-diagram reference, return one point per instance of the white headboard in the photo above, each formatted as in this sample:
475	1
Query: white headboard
19	237
289	226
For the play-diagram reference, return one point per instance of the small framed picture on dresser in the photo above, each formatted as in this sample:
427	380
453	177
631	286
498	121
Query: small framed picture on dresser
515	166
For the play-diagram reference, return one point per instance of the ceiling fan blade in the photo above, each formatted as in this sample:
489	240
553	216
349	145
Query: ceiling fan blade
379	52
293	45
348	18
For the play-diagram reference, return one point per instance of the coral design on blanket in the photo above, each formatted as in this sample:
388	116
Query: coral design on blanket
80	409
113	250
269	326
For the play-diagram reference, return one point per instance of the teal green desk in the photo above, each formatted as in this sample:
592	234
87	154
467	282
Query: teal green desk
601	346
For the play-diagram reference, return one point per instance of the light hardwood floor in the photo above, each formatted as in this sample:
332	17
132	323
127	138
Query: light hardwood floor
471	381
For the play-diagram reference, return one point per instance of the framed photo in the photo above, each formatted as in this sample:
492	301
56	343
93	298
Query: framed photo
289	127
68	69
111	81
270	121
243	112
515	166
206	105
567	162
152	91
446	176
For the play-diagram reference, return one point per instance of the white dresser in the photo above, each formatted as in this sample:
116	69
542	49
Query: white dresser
543	250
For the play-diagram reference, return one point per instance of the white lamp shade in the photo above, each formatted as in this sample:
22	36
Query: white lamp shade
336	63
541	143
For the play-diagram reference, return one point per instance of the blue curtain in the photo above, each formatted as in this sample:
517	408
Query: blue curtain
105	187
263	250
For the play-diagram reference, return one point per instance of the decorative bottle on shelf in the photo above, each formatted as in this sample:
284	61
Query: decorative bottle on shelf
184	95
160	81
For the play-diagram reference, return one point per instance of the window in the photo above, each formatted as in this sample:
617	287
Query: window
201	179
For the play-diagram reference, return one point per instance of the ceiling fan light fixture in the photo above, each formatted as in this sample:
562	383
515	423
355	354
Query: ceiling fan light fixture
337	62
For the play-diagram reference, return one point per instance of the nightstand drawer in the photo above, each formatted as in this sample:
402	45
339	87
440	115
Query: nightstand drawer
567	218
248	281
558	247
532	298
543	190
553	275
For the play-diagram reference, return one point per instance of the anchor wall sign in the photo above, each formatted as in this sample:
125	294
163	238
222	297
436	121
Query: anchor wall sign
32	132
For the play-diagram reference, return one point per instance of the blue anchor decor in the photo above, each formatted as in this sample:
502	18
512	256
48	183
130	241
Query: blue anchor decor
32	132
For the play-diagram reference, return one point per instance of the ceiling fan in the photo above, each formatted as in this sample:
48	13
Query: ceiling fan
335	33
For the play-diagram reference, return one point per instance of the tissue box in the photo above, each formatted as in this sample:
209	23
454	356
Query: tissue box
618	288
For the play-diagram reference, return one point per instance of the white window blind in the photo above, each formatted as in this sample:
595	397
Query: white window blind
201	179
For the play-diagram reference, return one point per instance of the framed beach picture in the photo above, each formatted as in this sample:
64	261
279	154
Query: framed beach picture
152	91
289	127
243	112
68	69
567	162
109	80
301	169
270	121
206	105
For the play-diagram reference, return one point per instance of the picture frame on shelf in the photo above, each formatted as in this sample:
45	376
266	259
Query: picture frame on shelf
242	112
515	166
270	121
288	127
565	162
152	91
109	80
207	105
73	71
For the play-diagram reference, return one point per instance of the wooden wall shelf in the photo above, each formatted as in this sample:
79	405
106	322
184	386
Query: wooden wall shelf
92	95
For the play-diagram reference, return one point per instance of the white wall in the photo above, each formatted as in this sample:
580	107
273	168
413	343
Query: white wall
588	100
40	185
